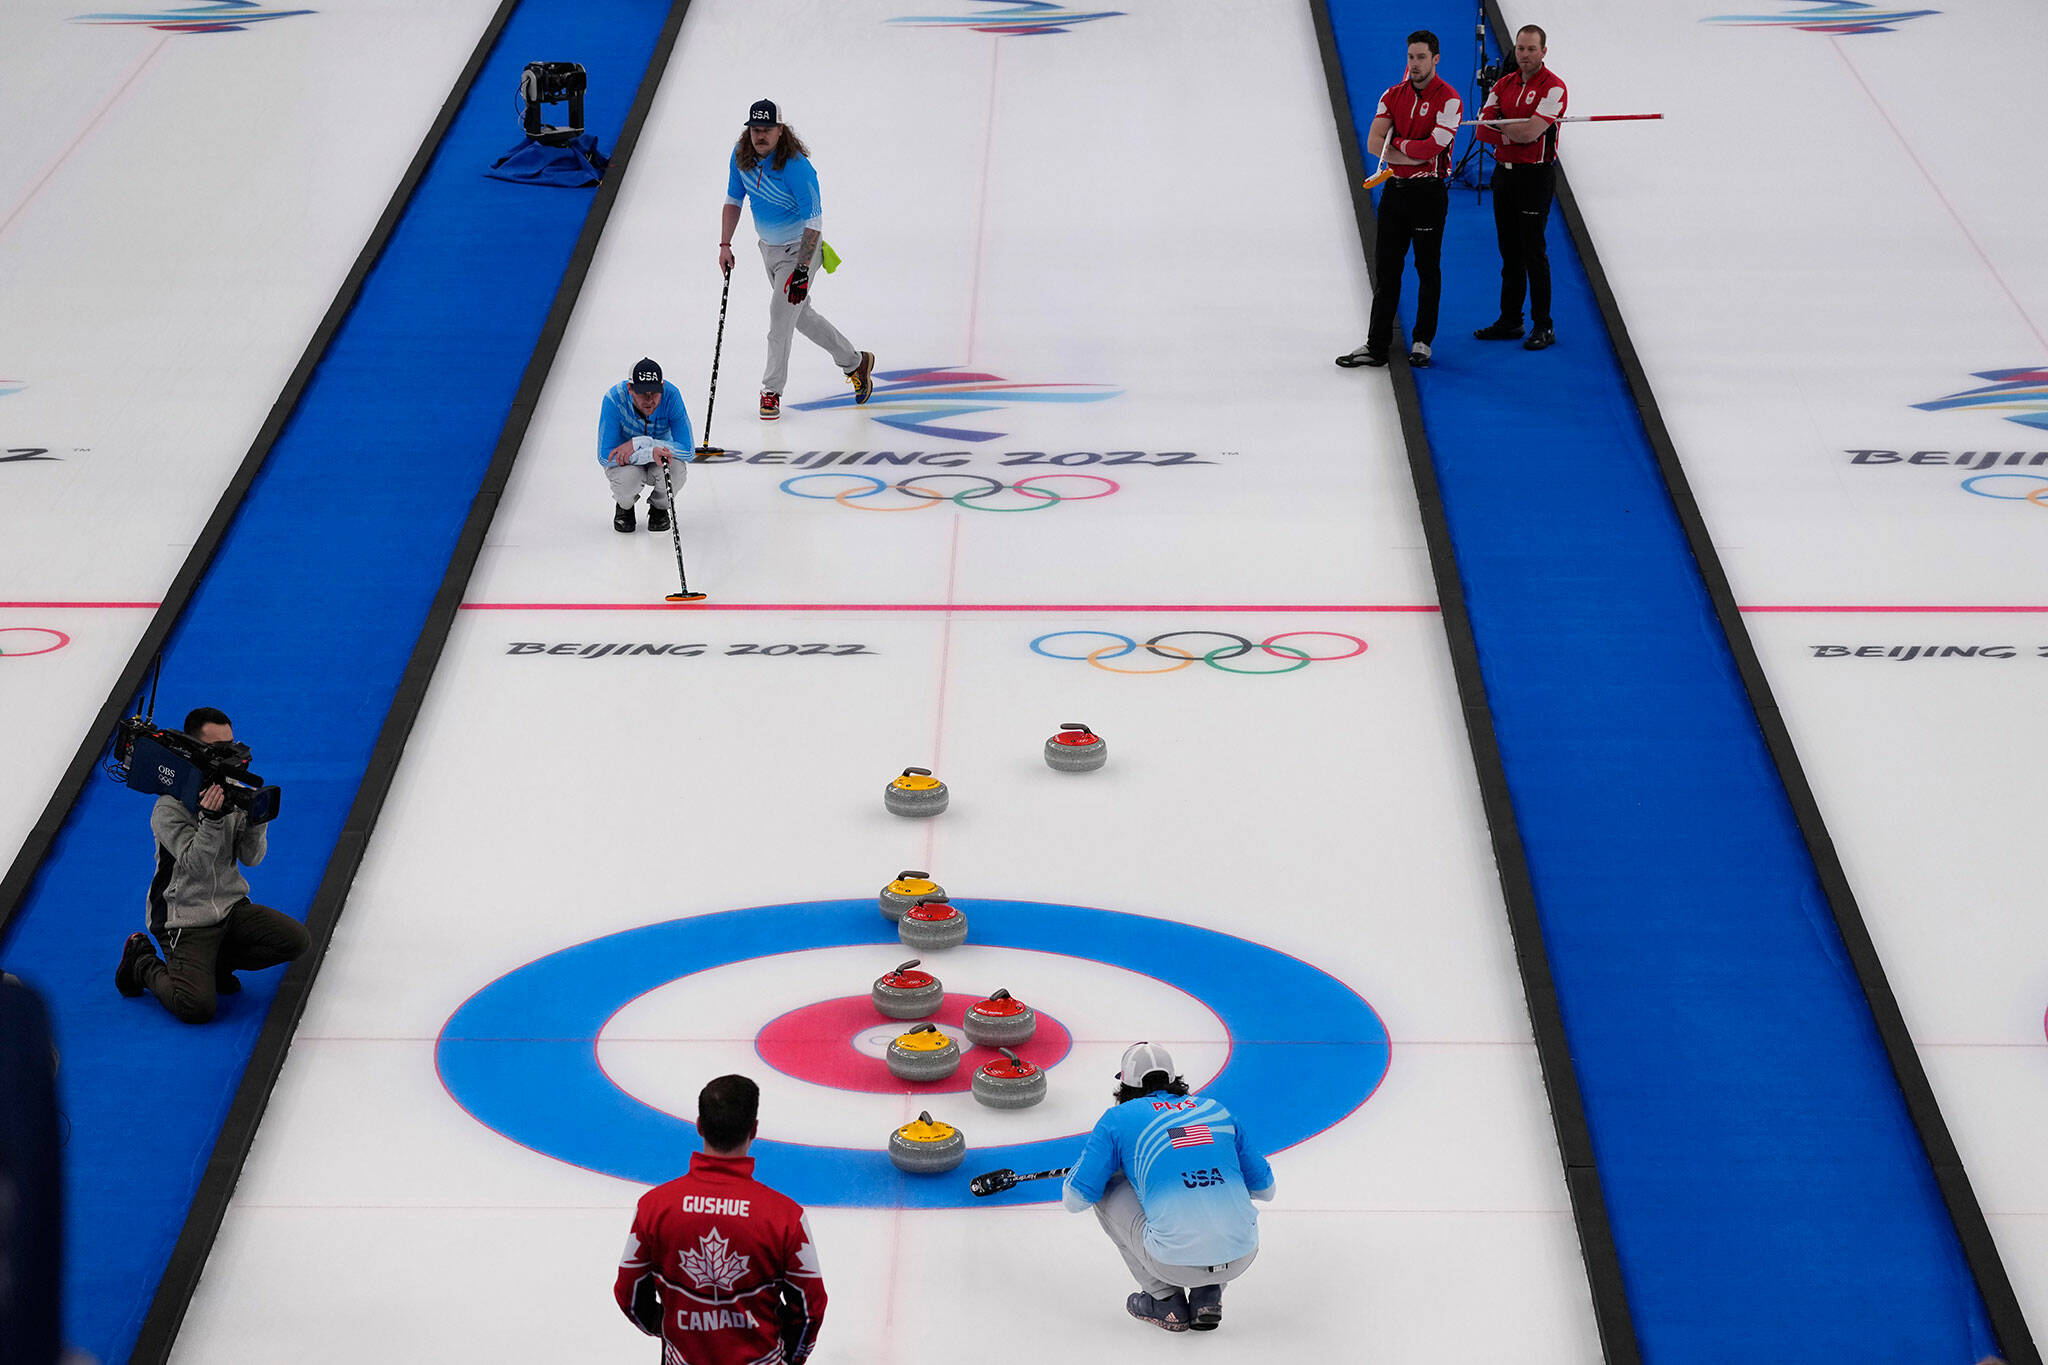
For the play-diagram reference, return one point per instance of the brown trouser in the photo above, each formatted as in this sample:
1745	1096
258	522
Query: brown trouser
189	978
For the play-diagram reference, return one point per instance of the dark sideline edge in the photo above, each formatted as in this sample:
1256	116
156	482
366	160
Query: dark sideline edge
1967	1215
1618	1342
238	1133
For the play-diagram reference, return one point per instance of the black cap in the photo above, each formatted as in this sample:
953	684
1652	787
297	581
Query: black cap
764	114
646	377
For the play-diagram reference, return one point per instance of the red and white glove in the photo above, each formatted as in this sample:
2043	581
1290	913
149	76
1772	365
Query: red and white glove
799	287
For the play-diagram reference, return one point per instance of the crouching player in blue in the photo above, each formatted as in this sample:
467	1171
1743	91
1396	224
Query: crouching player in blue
1171	1179
642	428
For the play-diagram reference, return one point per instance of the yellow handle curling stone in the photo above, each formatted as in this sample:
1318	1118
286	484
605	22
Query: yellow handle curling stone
925	1147
923	1054
915	793
907	890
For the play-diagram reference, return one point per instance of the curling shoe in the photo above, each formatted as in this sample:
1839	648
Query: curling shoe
224	982
127	977
862	377
1542	339
1170	1313
657	518
1367	354
622	518
1500	330
771	406
1205	1307
1418	355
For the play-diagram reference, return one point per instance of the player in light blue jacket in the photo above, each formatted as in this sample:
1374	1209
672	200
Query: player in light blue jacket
1171	1178
642	427
771	167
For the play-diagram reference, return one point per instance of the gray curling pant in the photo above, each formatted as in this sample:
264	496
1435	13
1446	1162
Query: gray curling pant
251	938
784	316
628	479
1123	1218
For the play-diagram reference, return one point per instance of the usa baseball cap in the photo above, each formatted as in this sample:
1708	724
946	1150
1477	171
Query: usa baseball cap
1141	1060
646	377
764	114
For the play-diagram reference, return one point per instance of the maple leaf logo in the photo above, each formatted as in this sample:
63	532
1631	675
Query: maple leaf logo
712	1265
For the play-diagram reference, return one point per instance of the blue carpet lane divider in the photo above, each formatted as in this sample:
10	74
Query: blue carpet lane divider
313	611
1769	1191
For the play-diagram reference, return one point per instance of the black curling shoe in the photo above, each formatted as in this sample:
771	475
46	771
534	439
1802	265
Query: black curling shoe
1169	1313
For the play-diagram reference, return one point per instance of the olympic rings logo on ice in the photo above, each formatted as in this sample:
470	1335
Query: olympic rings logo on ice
870	494
2037	494
1177	657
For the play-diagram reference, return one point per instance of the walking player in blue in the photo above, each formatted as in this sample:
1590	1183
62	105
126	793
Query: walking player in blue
772	167
641	426
1172	1178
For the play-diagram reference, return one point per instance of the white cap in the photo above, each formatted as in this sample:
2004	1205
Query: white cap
1141	1060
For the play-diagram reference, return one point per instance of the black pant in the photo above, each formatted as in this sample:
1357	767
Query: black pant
1411	213
1521	208
250	938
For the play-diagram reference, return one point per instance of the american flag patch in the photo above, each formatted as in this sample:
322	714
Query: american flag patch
1194	1135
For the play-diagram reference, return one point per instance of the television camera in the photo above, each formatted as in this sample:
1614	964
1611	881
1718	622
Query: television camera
164	762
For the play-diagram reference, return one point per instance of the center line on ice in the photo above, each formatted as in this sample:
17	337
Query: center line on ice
1928	176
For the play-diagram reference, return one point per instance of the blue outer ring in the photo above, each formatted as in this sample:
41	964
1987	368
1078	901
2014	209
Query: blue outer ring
1970	486
521	1054
879	485
1038	645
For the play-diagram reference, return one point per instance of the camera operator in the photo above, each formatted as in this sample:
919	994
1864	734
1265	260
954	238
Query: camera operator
199	907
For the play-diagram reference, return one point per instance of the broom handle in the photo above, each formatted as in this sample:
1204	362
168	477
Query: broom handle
1568	118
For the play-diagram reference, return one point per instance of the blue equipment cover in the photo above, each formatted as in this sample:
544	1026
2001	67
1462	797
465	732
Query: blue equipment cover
535	163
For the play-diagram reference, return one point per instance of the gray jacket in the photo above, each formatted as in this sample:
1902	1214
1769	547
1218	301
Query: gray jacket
196	881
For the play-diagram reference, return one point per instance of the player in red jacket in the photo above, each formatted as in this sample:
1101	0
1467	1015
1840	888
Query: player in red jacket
718	1265
1524	105
1411	131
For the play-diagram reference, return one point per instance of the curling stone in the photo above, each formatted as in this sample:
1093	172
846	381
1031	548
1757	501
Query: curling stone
1002	1020
926	1147
923	1054
907	993
932	923
917	792
1075	749
907	890
1012	1083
